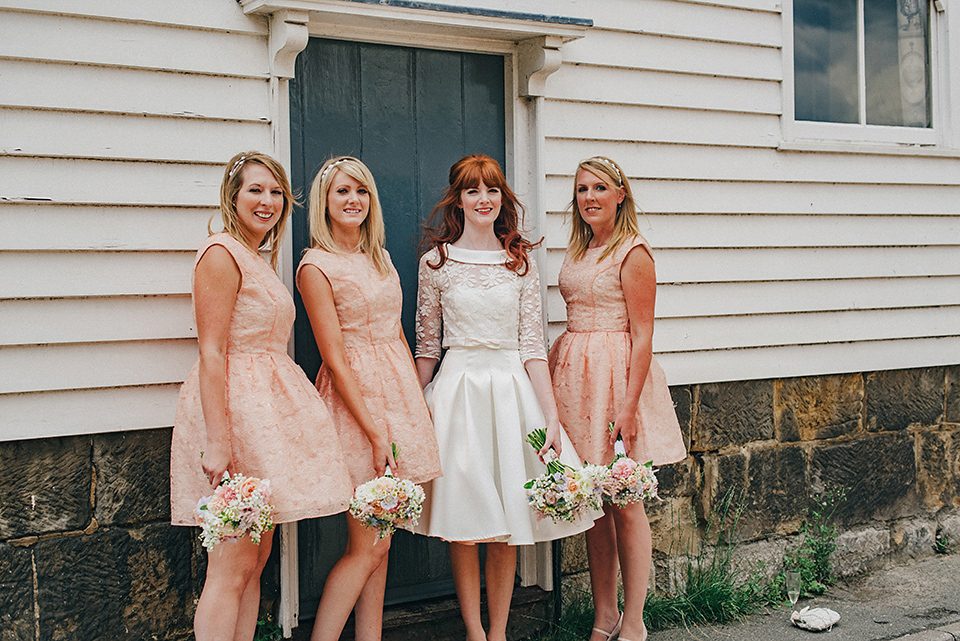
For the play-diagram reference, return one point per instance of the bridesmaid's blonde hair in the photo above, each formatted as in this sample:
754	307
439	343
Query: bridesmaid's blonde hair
372	232
232	184
625	226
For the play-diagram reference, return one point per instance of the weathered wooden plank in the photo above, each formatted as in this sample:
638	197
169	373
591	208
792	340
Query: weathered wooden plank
79	366
64	413
109	182
736	197
759	230
740	164
129	44
681	266
133	91
633	123
782	297
212	15
680	55
734	332
691	20
807	360
100	319
98	135
42	226
52	274
601	85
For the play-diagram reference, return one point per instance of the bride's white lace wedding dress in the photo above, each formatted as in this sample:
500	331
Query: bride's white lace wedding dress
482	401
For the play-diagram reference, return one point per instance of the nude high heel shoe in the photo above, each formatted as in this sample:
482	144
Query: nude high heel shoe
643	638
614	632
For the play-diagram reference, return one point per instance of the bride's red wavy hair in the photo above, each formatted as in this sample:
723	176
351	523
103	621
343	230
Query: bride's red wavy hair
445	224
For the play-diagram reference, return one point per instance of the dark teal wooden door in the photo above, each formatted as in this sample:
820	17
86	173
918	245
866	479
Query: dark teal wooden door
408	114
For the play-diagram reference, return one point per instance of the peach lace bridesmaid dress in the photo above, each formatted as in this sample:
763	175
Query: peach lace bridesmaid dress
280	427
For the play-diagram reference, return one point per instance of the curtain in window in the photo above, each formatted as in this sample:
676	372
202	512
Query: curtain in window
912	47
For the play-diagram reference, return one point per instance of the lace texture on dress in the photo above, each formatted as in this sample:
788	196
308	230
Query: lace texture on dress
474	301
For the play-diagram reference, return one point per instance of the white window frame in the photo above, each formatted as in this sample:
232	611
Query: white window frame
531	50
944	91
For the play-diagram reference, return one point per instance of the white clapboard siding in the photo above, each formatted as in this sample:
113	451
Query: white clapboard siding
752	197
129	44
69	412
802	360
772	297
58	227
712	333
35	132
48	321
691	20
602	85
92	273
83	365
694	231
185	13
572	119
133	91
109	182
665	53
704	162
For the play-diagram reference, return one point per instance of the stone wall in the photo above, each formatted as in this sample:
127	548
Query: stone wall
86	546
87	551
891	439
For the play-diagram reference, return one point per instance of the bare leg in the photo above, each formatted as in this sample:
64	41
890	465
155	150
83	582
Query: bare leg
636	549
500	572
368	613
346	580
231	567
465	561
604	566
250	602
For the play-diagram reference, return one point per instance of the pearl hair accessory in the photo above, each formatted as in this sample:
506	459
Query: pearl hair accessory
609	164
331	166
236	166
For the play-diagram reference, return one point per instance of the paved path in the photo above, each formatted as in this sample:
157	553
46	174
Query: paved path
919	601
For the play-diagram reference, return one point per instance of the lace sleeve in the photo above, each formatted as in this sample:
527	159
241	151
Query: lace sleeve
531	317
429	312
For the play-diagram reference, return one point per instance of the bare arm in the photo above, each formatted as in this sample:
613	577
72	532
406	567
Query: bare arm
639	281
318	300
216	283
539	374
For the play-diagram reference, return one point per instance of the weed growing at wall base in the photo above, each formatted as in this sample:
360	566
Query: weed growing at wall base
818	540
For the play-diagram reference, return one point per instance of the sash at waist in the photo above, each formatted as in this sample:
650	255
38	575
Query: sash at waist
492	343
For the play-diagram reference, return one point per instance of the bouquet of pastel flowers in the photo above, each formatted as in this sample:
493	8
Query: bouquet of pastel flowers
563	493
239	506
387	503
627	481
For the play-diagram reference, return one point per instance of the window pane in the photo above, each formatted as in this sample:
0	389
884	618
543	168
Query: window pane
896	62
825	60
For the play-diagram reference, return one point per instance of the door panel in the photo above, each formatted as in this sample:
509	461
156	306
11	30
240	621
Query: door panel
408	114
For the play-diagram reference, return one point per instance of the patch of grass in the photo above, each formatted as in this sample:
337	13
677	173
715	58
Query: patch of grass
941	544
576	621
267	630
818	540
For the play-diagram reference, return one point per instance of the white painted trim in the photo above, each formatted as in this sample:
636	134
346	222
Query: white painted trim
289	614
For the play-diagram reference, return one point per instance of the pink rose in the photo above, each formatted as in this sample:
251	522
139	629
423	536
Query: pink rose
623	467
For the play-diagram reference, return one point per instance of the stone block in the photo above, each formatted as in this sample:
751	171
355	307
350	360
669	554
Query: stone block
935	481
774	499
676	479
763	558
912	539
818	407
722	475
732	414
953	394
115	584
683	404
133	476
673	526
16	594
47	486
573	554
860	551
948	526
878	473
898	399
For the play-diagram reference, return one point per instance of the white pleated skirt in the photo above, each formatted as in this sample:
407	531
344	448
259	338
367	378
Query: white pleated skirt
483	406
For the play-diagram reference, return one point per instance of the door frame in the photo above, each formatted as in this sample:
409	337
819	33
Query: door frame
530	45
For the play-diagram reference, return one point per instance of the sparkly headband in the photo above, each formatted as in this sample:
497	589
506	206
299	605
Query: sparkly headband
331	166
236	166
609	164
